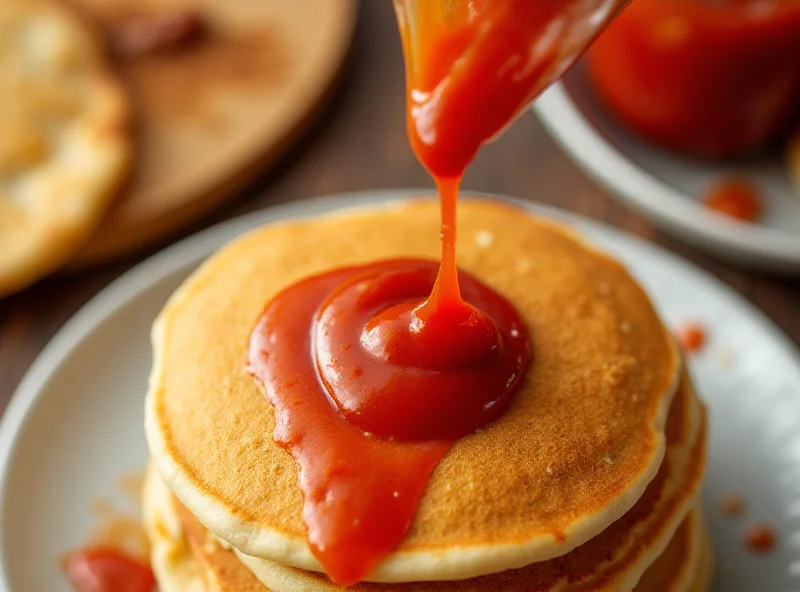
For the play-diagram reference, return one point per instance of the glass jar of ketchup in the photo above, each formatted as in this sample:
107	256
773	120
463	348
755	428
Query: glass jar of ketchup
714	78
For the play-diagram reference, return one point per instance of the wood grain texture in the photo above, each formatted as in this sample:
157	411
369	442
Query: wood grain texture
214	113
362	144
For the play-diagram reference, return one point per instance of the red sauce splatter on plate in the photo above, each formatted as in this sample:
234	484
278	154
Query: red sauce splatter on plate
107	569
735	197
691	337
761	538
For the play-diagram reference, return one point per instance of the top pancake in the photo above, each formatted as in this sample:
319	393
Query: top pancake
576	449
616	559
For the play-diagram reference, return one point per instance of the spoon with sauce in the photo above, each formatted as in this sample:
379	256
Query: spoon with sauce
472	66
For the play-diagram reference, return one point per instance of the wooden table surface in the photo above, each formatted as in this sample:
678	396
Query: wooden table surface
361	144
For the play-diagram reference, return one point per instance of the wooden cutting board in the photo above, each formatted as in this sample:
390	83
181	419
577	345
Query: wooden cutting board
214	113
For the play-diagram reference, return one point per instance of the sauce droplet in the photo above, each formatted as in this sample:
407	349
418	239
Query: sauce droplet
761	538
691	337
106	569
736	198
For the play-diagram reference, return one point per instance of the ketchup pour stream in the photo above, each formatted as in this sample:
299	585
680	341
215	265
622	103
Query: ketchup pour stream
374	371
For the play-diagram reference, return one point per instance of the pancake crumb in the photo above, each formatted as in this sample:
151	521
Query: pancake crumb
210	545
549	470
524	265
625	327
691	337
732	505
760	538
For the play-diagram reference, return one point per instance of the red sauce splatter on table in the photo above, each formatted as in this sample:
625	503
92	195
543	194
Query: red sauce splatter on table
761	538
107	569
374	371
691	337
735	197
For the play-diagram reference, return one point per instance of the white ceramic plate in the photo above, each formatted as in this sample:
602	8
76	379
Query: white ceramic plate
75	424
667	188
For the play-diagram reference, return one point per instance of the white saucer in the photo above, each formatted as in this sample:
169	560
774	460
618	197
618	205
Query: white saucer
666	188
75	424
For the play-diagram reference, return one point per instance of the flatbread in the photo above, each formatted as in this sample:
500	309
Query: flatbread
65	145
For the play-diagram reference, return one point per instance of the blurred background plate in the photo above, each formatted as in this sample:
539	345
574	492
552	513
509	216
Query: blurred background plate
216	113
666	187
75	425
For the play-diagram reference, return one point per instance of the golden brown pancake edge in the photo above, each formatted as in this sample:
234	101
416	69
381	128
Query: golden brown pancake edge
209	426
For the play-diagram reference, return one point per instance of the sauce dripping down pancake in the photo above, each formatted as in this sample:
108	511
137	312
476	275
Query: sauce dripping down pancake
361	491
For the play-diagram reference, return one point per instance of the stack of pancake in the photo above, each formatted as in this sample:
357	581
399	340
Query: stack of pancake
589	481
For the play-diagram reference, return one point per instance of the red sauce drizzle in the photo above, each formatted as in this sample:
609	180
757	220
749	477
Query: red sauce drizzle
374	371
370	389
106	569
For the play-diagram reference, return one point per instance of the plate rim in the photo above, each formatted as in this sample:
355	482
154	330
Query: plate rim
664	205
193	249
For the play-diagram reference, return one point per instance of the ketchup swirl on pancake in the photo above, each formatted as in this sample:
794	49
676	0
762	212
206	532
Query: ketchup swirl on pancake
374	371
369	394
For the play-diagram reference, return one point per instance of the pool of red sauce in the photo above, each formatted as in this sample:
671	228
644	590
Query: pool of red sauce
374	371
108	569
369	394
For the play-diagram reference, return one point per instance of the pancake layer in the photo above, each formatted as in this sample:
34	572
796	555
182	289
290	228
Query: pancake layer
680	568
594	403
683	567
614	560
174	563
